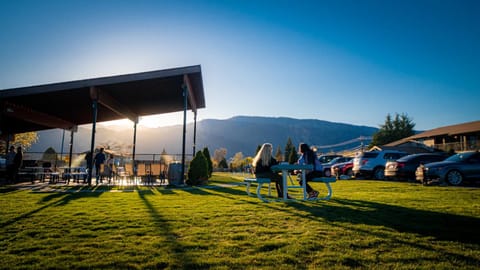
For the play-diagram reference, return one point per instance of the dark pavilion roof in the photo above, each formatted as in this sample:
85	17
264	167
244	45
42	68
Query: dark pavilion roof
68	104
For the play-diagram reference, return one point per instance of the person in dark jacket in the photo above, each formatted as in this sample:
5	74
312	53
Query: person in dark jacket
99	159
10	166
309	157
17	163
262	163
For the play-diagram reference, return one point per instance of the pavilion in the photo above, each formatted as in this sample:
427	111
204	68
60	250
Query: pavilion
67	105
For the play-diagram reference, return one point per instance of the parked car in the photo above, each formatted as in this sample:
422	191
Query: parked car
327	158
344	168
327	166
405	167
454	170
372	164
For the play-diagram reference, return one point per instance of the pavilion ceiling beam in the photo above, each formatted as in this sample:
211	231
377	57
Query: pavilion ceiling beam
40	118
112	104
191	95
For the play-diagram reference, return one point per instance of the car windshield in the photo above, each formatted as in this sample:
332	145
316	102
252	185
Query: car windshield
335	160
369	155
459	157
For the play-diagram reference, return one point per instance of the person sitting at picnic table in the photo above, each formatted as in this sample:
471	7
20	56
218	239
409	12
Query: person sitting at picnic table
262	163
308	157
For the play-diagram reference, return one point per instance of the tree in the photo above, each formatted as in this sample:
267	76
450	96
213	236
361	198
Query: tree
237	161
49	154
393	130
206	153
218	156
293	158
22	139
198	170
279	154
223	164
163	157
258	149
288	148
248	161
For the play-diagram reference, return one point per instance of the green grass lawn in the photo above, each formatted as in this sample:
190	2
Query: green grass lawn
366	225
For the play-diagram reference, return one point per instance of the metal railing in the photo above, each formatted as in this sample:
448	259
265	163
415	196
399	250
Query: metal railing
31	159
458	146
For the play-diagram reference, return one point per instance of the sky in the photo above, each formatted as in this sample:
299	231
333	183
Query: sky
347	61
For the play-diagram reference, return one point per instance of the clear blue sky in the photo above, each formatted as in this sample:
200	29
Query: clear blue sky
342	61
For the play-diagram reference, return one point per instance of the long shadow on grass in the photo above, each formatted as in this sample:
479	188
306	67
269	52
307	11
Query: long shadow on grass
441	226
54	199
233	194
178	250
8	189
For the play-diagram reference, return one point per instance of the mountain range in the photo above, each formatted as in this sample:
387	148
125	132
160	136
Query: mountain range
236	134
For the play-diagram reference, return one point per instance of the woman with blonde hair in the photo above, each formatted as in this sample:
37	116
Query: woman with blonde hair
262	163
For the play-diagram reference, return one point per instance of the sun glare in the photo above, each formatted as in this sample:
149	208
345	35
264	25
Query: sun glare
154	121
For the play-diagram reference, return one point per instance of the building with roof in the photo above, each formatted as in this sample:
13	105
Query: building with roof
459	137
67	105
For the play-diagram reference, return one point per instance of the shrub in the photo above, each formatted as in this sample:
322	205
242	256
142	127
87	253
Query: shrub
206	153
49	154
198	170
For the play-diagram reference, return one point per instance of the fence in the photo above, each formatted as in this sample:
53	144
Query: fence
78	159
458	146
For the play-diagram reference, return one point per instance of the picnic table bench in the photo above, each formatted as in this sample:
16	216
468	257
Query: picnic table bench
38	173
326	181
259	181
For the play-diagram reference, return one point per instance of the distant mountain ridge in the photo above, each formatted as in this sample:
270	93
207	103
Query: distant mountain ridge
236	134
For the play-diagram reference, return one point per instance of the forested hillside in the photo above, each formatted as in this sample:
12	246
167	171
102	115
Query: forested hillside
237	134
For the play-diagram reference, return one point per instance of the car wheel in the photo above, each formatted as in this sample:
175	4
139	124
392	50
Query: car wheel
454	177
327	173
379	173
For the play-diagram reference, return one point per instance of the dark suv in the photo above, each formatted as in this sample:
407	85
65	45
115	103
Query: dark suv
372	164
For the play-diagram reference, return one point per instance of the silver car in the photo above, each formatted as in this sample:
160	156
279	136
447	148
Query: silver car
372	164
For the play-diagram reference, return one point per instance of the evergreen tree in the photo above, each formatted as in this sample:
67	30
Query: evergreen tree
279	154
288	149
258	149
293	158
393	130
206	153
223	164
49	154
218	156
198	170
163	157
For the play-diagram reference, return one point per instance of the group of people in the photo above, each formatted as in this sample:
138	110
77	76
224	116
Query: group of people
99	159
14	163
264	160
